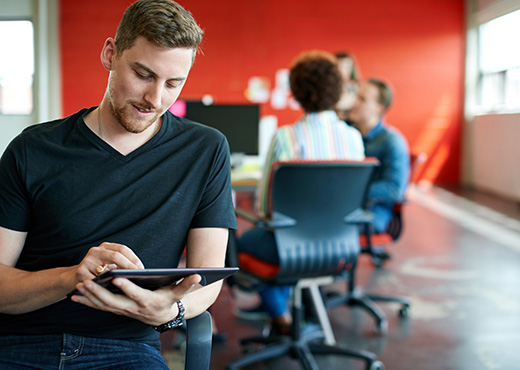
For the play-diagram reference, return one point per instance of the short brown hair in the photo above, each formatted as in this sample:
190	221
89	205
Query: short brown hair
385	93
315	81
163	22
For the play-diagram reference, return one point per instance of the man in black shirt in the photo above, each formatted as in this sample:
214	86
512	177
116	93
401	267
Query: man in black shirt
122	185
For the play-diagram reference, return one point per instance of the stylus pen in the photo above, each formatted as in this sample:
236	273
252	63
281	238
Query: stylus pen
101	269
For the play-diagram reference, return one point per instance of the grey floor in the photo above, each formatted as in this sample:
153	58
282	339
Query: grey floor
458	261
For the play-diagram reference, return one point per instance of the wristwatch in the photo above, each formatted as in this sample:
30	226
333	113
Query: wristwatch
176	322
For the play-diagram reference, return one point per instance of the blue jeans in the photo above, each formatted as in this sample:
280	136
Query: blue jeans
72	352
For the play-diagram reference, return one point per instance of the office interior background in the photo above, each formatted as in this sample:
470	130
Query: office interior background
450	101
454	66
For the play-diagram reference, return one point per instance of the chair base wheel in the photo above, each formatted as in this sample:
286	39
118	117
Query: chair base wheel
376	365
404	312
381	328
380	257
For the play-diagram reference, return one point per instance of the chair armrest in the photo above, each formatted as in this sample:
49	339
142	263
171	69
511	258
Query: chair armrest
359	216
198	342
280	220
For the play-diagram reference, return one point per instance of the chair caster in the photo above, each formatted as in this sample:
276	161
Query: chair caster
404	312
381	328
379	257
376	365
377	262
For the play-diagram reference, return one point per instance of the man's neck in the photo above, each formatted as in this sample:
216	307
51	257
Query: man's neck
366	127
119	139
125	143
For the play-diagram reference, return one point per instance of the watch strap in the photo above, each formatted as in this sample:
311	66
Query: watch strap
176	322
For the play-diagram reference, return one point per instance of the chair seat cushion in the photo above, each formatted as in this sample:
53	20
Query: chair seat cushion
256	266
379	239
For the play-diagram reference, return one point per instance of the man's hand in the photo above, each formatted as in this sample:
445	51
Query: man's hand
151	307
111	255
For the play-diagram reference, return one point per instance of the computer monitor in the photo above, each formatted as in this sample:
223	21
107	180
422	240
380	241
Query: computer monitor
238	122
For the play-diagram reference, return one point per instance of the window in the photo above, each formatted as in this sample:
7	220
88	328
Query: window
16	67
499	64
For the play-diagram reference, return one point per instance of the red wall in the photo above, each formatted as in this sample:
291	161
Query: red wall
418	45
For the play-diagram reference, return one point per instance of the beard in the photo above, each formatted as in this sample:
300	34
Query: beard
129	121
127	118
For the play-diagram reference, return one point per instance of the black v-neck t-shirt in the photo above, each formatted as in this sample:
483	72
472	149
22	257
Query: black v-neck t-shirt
71	191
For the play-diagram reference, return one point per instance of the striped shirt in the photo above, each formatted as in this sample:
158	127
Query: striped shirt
317	136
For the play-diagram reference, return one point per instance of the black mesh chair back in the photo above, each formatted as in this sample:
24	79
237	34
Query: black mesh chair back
314	206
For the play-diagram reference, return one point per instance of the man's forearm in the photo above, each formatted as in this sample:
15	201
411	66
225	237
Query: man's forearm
24	291
201	299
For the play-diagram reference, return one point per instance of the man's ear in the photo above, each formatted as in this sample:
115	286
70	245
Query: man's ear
381	110
108	53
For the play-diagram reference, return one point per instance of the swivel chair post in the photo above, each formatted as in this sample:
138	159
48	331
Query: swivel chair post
378	258
356	297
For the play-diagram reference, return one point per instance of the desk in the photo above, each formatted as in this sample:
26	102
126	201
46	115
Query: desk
248	185
245	178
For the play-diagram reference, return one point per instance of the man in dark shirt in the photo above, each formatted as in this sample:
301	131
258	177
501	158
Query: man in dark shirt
122	185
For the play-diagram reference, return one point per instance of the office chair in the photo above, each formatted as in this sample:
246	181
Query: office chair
374	244
198	342
316	206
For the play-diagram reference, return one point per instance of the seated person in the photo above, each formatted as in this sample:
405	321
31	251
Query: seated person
120	185
316	84
347	67
386	144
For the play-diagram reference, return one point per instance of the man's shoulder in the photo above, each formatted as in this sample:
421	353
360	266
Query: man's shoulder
187	125
53	125
192	135
388	129
392	133
41	133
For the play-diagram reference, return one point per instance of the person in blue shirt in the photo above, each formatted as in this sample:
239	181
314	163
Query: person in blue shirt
385	143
